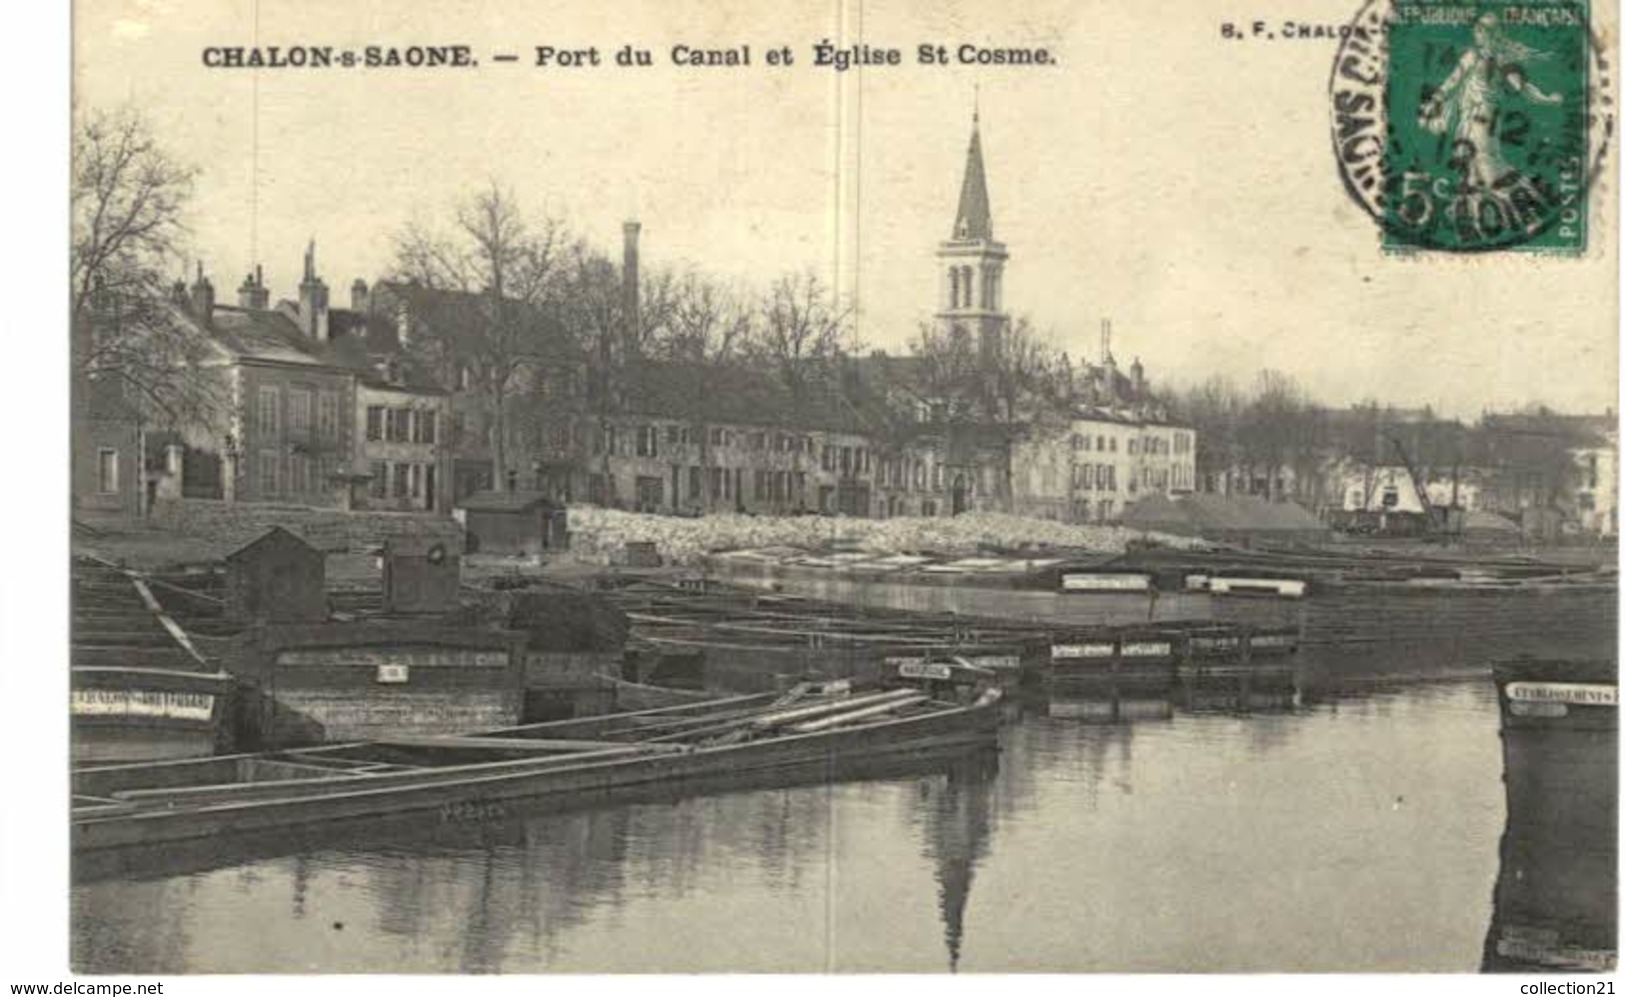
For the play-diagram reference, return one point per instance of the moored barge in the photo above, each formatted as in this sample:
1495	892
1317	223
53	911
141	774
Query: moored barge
145	804
1557	893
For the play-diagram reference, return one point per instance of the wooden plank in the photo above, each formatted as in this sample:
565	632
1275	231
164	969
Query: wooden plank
840	719
514	744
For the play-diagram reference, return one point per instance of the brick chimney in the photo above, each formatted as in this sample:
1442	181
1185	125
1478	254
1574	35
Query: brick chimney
630	305
360	301
253	293
1136	373
312	299
202	297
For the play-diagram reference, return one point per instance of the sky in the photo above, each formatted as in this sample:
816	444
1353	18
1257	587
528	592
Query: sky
1158	175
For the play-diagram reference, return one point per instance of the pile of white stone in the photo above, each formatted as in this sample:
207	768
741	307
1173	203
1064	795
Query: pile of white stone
601	535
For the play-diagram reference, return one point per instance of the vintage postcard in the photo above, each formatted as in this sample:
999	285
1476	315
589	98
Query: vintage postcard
623	486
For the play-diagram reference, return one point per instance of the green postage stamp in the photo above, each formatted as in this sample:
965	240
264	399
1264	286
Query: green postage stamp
1472	125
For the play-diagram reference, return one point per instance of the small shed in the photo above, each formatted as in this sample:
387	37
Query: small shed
517	522
421	575
278	578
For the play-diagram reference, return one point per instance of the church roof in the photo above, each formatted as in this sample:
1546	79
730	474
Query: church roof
975	217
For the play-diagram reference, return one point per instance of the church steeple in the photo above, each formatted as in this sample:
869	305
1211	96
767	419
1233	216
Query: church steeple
971	298
975	217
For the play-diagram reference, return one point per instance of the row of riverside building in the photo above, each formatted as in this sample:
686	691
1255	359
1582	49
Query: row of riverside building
325	406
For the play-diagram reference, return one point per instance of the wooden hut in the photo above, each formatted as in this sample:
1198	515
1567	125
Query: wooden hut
518	522
421	575
278	578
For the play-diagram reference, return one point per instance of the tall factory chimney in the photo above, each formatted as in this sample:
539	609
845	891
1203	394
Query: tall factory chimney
630	304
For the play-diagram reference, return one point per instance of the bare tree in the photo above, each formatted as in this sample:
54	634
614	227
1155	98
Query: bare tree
1215	409
128	197
1021	380
802	331
709	322
504	273
709	329
949	379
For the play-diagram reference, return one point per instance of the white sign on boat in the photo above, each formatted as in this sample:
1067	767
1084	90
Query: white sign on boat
1272	640
393	674
996	662
1288	588
1104	582
925	670
1060	651
142	703
1147	649
1575	693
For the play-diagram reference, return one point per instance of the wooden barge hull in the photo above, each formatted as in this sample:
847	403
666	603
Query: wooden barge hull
453	794
146	714
1556	897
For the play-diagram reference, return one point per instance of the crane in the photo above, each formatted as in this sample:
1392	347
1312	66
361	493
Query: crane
1438	519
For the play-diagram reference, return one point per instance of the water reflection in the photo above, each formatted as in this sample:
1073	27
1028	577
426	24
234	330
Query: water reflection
1242	834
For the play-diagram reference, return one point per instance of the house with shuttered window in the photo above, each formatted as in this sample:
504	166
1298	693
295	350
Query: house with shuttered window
404	446
286	432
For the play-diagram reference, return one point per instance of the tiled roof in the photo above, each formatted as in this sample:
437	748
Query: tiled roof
737	395
265	335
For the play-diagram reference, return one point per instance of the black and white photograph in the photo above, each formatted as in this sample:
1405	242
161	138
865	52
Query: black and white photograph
839	487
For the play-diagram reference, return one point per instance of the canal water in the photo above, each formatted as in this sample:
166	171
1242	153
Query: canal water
1346	831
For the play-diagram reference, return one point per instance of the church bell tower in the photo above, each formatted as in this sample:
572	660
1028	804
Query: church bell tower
972	261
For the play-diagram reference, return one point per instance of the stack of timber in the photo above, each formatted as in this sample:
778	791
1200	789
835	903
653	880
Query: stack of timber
1556	897
455	777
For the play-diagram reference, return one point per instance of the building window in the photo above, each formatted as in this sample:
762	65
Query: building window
415	477
694	473
398	426
648	441
402	483
107	472
673	435
298	413
425	427
298	473
268	469
327	415
378	487
375	423
267	420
